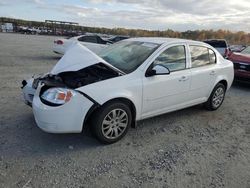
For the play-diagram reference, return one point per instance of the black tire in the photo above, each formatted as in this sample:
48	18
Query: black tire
101	114
210	104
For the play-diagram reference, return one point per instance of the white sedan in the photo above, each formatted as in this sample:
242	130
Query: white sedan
93	42
126	82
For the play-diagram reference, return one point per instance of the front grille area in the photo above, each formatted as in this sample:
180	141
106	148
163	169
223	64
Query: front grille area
35	83
241	66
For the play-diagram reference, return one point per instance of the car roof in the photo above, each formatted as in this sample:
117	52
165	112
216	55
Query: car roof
163	40
215	40
120	36
92	35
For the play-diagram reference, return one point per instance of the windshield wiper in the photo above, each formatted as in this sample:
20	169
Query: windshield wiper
108	60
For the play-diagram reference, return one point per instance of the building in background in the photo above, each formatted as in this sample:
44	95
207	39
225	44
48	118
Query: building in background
7	27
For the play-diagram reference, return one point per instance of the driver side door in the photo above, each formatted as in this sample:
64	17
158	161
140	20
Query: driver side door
163	93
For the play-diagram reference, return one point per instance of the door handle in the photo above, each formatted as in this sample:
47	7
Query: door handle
183	79
212	73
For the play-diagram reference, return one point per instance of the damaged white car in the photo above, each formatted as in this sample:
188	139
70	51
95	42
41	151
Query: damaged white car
126	82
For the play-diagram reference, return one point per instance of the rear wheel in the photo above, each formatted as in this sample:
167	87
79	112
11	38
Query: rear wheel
111	122
216	98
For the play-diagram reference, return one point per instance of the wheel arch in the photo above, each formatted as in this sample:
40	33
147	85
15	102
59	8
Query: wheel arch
129	103
208	104
223	79
124	100
224	82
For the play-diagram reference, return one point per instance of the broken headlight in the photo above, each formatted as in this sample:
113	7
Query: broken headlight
57	96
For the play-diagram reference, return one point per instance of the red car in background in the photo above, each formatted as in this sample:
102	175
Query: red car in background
241	62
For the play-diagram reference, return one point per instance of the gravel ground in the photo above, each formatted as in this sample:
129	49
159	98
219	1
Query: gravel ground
188	148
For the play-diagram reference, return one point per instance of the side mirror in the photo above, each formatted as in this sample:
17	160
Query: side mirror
157	70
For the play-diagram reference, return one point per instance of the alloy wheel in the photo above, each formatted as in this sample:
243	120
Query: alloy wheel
218	97
114	123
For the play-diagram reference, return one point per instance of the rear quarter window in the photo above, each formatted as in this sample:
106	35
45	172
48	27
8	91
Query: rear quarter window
212	56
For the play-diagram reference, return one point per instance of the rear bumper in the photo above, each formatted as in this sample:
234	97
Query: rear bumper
59	49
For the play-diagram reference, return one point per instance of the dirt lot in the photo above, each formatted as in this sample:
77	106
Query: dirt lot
188	148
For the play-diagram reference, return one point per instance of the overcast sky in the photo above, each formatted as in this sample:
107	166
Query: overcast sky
178	15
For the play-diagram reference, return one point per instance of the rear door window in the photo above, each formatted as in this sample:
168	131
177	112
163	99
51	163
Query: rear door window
201	56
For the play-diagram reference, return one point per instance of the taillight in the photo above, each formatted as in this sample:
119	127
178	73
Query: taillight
59	42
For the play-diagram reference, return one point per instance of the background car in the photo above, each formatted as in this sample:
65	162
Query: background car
237	48
220	45
246	51
241	62
117	38
93	42
128	81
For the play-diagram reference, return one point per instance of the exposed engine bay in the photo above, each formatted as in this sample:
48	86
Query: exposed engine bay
76	79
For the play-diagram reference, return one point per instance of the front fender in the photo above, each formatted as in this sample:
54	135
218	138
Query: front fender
102	99
107	90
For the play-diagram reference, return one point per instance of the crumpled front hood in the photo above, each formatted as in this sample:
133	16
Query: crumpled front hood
77	57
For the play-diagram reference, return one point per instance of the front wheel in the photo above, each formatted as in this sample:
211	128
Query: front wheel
111	122
216	98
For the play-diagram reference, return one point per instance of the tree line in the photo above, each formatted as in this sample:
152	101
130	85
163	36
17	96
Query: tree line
239	37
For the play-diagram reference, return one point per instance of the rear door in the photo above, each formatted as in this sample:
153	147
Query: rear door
204	72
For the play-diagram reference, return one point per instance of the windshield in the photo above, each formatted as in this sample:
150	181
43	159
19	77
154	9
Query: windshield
246	50
127	56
